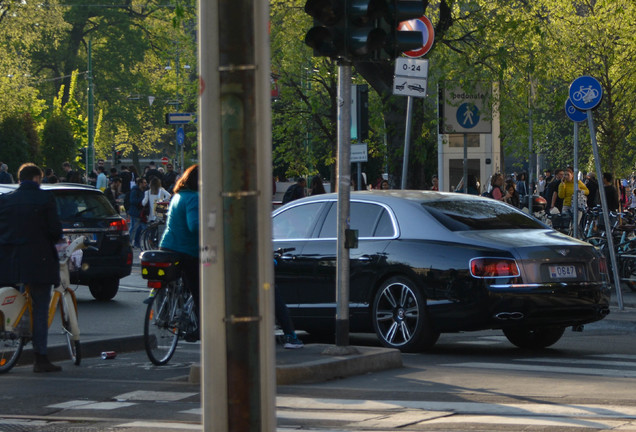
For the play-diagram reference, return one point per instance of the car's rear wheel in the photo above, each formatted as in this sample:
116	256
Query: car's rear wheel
400	318
534	338
104	289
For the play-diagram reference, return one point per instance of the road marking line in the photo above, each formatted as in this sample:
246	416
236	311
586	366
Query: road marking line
586	361
529	421
161	425
91	405
472	408
142	395
549	369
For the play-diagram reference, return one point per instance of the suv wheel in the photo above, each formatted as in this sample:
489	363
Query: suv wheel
104	289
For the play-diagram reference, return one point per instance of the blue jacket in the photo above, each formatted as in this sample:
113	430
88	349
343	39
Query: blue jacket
182	227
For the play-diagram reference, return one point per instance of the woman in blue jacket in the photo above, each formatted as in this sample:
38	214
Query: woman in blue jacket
182	232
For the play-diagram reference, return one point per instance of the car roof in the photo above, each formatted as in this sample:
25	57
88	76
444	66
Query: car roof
6	188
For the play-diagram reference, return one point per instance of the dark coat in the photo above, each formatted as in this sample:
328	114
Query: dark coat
136	197
29	229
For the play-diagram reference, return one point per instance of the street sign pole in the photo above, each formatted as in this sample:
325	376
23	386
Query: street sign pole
407	140
585	94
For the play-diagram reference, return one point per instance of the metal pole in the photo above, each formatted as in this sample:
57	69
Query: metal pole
407	140
606	220
528	180
90	157
465	171
575	197
344	188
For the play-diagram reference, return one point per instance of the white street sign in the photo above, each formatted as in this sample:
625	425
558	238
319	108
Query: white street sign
405	86
409	67
411	77
359	153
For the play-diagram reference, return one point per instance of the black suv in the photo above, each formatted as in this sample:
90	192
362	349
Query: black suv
84	210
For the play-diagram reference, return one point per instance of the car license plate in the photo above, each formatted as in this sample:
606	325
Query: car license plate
562	271
89	236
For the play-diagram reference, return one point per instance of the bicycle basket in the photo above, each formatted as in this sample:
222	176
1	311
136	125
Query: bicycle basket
561	221
160	265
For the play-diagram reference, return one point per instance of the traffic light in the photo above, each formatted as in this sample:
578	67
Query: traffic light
81	156
327	35
117	156
362	29
399	41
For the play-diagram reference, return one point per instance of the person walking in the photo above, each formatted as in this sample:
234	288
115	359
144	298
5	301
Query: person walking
295	191
154	194
29	229
317	187
134	211
5	176
182	234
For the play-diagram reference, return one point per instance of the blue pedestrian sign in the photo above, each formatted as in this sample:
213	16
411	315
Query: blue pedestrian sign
575	114
468	115
586	92
180	136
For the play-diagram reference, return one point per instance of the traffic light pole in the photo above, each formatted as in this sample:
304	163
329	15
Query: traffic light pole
344	188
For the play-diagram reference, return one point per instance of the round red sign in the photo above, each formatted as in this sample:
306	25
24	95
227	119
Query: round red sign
164	160
424	25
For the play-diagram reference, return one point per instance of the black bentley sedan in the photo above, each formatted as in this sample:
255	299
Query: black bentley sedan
432	262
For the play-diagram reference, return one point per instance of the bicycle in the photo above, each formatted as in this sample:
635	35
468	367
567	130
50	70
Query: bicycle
151	235
16	312
170	314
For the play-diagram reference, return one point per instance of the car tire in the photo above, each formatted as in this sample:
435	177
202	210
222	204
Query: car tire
104	289
400	318
533	338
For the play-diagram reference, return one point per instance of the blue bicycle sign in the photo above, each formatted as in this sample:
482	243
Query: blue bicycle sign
575	114
585	92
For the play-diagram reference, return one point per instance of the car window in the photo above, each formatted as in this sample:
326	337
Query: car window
296	222
78	205
473	215
371	220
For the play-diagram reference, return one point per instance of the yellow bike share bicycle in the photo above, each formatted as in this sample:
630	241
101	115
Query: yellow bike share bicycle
16	312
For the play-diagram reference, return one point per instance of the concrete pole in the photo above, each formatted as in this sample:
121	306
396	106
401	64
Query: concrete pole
238	384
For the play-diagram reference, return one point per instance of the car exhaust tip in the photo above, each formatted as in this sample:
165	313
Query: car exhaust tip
604	312
506	316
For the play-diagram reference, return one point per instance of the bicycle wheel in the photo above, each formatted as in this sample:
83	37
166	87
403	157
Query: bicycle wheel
71	327
149	237
11	345
161	325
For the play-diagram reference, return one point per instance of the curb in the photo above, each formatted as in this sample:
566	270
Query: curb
336	364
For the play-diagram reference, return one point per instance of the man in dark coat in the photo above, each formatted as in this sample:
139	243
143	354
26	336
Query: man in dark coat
295	191
29	230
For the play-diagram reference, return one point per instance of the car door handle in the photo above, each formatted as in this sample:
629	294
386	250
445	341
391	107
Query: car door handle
364	258
286	257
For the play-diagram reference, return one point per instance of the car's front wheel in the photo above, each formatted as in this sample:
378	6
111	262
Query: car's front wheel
104	289
400	318
533	338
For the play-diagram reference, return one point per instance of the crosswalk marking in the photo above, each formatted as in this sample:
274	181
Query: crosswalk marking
144	395
90	405
161	425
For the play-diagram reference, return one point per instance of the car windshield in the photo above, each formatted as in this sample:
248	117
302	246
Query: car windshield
78	205
473	215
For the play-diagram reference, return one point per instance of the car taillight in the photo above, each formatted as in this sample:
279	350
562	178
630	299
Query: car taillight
118	225
493	267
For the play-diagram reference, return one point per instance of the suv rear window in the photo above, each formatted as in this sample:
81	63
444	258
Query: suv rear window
74	204
470	215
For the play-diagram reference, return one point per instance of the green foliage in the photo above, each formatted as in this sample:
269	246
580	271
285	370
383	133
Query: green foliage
17	144
58	143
